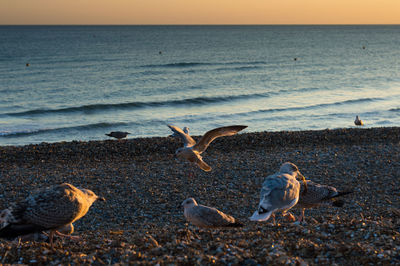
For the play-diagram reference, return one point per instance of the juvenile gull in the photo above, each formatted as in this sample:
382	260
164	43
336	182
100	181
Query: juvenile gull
185	129
118	134
191	150
317	195
358	121
48	210
279	192
203	216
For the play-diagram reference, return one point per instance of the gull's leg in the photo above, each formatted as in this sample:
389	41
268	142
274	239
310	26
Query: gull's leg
51	236
301	217
67	236
273	219
289	216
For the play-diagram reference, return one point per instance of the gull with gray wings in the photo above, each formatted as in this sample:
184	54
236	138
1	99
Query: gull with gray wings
317	195
279	192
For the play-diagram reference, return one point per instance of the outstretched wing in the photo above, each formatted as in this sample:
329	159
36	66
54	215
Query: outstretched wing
203	143
187	140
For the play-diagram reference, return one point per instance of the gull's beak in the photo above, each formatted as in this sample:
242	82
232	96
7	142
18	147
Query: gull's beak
304	182
101	199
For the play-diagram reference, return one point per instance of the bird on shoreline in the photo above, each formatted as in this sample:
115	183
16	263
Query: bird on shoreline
118	134
185	129
279	192
191	150
50	209
203	216
318	195
358	121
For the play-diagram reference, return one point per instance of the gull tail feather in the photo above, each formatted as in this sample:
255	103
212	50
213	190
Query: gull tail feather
260	217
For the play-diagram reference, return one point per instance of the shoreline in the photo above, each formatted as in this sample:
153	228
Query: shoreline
142	221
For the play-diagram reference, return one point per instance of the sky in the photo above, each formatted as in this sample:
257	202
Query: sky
140	12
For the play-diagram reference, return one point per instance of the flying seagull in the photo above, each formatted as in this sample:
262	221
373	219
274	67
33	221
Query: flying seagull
191	150
48	210
203	216
279	192
118	134
358	121
318	195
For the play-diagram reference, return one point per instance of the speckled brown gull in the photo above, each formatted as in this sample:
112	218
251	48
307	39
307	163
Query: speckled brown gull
191	150
317	195
203	216
118	134
279	192
48	210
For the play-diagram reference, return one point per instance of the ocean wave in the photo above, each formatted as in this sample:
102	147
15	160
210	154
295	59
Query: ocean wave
27	132
316	106
395	109
177	65
301	108
136	105
194	64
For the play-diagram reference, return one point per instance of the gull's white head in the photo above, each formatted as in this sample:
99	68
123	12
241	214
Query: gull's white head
189	203
289	168
91	196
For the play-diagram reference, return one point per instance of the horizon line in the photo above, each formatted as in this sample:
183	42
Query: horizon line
281	24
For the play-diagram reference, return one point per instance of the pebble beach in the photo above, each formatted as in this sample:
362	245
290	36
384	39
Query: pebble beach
142	220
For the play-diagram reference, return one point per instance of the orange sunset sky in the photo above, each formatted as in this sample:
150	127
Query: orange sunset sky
13	12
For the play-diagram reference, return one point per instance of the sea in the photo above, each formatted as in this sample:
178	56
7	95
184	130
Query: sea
65	83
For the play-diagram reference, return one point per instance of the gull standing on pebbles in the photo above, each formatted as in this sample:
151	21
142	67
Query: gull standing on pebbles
317	195
118	134
48	210
358	121
203	216
191	150
279	192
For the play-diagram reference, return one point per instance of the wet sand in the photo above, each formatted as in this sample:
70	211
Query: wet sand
142	221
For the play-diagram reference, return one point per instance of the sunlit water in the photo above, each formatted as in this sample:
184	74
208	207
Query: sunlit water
84	81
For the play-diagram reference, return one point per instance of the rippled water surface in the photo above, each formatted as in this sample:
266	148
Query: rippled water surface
84	81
